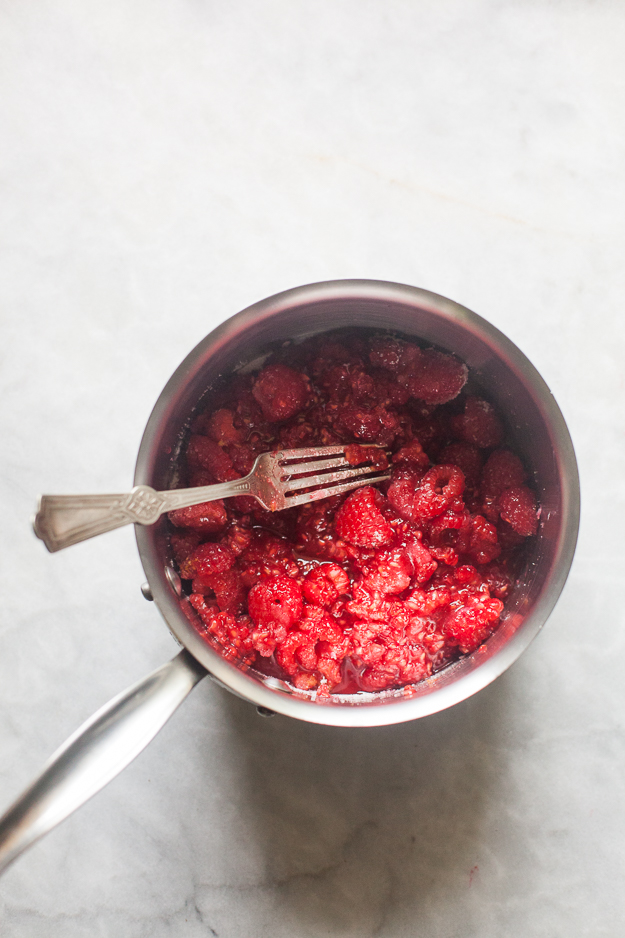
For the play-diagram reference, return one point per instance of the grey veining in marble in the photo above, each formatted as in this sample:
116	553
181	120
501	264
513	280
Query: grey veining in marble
162	166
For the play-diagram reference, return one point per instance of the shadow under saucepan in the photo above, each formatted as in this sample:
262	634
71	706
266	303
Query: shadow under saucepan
354	827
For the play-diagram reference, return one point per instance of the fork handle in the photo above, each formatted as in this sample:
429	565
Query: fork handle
62	520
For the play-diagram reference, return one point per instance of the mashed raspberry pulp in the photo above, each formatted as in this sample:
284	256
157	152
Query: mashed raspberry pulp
376	589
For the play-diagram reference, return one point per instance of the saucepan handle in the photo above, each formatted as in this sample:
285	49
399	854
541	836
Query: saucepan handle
96	753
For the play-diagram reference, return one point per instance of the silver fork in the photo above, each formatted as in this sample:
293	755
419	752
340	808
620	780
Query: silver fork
62	520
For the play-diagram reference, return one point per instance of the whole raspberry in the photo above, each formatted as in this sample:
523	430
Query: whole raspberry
221	429
360	521
502	470
281	392
518	507
437	377
206	518
183	544
206	560
479	424
203	453
276	600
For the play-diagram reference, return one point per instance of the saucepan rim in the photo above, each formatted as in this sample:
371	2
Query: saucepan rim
459	680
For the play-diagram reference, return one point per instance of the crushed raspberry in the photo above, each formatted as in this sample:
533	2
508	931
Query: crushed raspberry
373	590
234	635
275	604
281	392
316	536
483	545
230	594
470	620
356	455
267	555
323	585
517	506
413	454
434	493
389	571
360	521
371	424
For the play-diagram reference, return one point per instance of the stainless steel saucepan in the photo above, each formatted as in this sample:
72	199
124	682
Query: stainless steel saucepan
104	745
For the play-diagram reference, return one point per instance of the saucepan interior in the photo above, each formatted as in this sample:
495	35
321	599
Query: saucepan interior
535	427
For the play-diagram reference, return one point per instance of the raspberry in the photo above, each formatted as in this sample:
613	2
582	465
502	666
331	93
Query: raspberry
467	457
355	454
368	604
206	560
390	571
437	377
315	531
344	381
451	529
221	429
184	544
404	482
518	507
277	601
360	521
371	424
317	645
412	454
243	458
237	538
267	556
324	584
471	620
434	493
423	563
281	392
387	390
394	355
483	545
233	634
228	589
206	518
425	603
479	424
502	470
204	453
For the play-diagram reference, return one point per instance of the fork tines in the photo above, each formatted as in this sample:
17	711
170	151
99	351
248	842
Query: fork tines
311	469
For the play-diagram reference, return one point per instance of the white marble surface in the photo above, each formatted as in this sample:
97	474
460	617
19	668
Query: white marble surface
166	163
